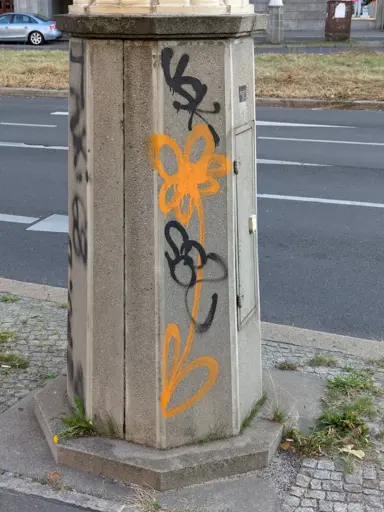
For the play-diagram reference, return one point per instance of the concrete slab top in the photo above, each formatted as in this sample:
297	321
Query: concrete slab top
159	26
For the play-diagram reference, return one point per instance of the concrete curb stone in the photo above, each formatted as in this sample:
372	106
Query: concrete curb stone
24	485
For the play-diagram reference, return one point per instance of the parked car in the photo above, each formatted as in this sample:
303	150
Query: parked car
30	28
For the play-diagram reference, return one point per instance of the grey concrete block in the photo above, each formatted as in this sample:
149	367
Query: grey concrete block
160	469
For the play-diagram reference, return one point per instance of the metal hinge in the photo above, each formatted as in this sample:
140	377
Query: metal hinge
236	167
239	301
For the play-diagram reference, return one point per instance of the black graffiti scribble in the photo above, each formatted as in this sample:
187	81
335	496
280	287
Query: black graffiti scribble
79	229
77	127
183	255
177	83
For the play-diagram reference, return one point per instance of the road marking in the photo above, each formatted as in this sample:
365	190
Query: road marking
291	139
59	113
30	146
320	200
283	162
30	125
303	125
18	219
53	224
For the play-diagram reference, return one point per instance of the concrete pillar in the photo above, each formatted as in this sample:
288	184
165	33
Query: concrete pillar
164	344
164	332
275	27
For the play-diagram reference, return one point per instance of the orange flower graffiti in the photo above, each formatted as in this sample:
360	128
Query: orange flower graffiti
181	194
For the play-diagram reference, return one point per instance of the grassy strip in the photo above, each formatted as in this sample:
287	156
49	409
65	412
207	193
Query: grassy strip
337	76
35	69
342	424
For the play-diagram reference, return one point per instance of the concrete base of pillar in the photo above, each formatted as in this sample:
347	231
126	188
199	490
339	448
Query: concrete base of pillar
163	469
275	27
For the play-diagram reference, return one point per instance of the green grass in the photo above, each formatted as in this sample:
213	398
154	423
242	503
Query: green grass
322	360
6	335
279	415
63	305
76	423
9	298
14	361
287	365
346	407
252	413
354	383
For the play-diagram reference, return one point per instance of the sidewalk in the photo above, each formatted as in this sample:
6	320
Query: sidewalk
35	330
296	36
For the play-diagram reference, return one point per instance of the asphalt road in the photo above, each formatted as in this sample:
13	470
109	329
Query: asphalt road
14	502
321	226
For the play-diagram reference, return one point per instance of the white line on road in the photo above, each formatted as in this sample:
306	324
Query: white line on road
53	224
284	162
30	125
299	125
18	219
30	146
291	139
320	200
59	113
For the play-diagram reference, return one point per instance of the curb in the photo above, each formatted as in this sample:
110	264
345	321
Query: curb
29	487
314	103
260	102
322	341
33	291
26	92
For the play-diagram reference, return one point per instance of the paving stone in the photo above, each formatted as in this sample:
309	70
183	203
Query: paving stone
307	472
352	488
308	503
317	495
355	507
292	501
354	479
336	496
340	507
369	473
302	480
326	464
370	484
304	509
297	491
353	497
381	486
316	484
322	474
325	506
373	492
337	475
309	463
335	486
374	501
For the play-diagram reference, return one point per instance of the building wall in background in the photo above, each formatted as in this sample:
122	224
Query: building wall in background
310	15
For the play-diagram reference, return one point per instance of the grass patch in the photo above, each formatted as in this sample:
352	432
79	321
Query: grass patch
77	424
287	365
279	415
9	298
63	305
337	76
49	376
14	361
252	413
353	383
43	70
322	360
341	428
6	335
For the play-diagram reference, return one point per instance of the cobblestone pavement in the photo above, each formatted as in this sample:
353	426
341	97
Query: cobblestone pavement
37	333
322	486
